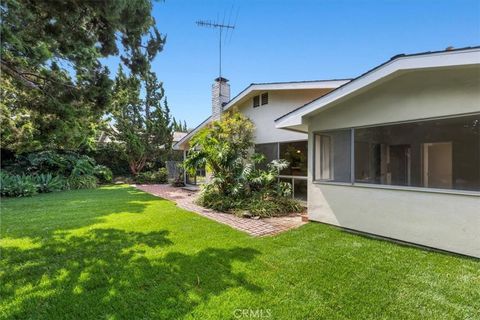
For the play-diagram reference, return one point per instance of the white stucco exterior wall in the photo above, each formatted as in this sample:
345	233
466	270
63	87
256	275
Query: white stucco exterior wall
446	221
280	103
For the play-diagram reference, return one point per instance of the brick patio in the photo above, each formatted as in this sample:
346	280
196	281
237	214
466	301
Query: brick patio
258	228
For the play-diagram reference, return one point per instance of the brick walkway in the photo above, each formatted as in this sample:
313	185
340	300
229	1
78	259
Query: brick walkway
259	228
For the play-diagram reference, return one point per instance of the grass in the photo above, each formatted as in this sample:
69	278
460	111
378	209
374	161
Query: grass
118	253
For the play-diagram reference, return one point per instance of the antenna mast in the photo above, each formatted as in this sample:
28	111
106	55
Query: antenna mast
220	27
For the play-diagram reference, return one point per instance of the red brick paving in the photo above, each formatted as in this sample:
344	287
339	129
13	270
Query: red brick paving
259	228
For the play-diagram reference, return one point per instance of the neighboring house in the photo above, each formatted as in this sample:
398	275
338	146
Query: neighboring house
396	151
263	103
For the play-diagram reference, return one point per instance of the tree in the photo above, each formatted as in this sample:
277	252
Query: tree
179	126
142	126
51	57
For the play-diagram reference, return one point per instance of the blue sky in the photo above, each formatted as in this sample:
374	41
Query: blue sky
297	40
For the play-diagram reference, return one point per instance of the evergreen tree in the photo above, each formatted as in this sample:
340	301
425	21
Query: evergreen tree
142	126
51	57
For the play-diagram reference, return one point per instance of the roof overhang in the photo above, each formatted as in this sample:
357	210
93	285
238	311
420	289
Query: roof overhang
295	120
254	88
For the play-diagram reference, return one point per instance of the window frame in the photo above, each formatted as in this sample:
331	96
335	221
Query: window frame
314	154
352	182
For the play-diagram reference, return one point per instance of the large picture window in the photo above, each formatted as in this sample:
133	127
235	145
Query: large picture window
440	153
269	151
296	153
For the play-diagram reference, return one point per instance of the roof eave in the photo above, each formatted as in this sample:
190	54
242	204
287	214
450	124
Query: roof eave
401	63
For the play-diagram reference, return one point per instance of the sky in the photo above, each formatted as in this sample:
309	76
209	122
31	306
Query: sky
296	41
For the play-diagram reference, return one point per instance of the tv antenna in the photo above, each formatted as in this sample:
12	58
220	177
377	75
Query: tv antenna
221	27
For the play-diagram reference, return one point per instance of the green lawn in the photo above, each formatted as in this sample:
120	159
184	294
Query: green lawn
119	253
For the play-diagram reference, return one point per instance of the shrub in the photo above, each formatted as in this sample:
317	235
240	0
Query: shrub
5	183
112	155
57	163
82	182
49	183
236	184
103	173
47	161
255	205
215	201
271	207
17	185
160	176
83	167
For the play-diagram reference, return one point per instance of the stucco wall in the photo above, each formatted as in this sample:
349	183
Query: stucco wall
280	103
445	221
415	95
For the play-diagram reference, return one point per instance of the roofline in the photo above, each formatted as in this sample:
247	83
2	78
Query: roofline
316	84
390	61
301	81
262	86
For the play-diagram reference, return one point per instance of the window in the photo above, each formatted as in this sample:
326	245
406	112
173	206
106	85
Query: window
442	153
256	101
333	156
269	150
264	98
296	153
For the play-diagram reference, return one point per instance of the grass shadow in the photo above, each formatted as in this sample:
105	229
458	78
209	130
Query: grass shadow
114	273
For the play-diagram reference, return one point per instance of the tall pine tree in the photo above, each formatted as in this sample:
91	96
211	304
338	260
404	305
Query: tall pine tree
143	127
51	57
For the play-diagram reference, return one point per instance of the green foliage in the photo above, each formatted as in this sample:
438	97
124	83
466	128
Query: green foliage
54	85
54	162
82	182
50	171
142	126
49	183
223	147
103	173
271	207
83	167
112	155
17	185
179	126
253	205
236	183
160	176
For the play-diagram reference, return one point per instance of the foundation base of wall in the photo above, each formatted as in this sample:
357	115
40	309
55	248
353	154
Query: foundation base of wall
396	241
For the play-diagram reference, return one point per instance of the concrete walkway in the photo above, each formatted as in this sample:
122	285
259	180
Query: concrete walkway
259	228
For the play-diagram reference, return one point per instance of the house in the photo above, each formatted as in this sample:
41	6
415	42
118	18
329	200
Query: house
263	103
396	151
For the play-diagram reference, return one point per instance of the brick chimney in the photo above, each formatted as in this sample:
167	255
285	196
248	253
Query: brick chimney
220	96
